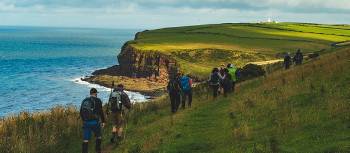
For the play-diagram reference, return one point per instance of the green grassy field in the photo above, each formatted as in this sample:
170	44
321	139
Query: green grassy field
199	48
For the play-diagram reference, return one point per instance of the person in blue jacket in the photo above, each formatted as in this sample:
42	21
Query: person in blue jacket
186	88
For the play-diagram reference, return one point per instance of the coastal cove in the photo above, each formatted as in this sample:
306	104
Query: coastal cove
41	67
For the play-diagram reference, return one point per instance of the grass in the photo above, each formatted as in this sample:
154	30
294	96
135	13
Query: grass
261	41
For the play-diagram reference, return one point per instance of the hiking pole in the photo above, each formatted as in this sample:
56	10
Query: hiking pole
110	95
111	89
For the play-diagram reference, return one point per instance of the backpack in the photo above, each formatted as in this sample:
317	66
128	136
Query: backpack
88	109
173	86
185	83
214	79
116	101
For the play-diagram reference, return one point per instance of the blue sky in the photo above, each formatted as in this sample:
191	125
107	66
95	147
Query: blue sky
164	13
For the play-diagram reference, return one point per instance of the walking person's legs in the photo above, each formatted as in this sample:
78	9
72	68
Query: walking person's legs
183	99
178	100
215	90
173	102
97	131
88	127
233	86
190	98
86	137
117	130
225	91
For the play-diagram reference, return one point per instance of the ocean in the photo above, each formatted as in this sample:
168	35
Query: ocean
41	67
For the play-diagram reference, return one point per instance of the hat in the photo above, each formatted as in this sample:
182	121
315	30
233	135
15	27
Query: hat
230	65
93	90
119	87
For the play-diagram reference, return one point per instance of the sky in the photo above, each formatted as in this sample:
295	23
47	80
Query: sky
148	14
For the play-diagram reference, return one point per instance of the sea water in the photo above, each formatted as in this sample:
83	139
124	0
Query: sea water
41	67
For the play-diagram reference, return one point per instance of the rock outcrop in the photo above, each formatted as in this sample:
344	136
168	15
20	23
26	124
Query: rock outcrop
135	63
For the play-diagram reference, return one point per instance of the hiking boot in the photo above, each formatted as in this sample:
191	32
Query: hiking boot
98	145
85	147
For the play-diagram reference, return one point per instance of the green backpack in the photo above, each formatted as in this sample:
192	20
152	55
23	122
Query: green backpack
116	101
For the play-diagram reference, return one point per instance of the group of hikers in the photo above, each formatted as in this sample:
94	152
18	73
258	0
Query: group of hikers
221	80
297	59
179	87
180	90
91	112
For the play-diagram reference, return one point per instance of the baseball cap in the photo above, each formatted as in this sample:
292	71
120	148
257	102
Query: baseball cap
93	90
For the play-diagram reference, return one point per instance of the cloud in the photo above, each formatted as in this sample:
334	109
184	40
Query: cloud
311	6
160	13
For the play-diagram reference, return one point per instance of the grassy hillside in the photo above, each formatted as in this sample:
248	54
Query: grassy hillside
305	109
199	48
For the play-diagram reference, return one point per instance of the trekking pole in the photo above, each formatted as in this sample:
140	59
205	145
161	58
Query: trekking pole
111	89
110	95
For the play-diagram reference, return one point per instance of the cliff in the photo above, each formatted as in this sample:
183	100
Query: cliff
137	63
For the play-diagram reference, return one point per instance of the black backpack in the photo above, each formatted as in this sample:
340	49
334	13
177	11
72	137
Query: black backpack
214	79
115	101
173	86
88	111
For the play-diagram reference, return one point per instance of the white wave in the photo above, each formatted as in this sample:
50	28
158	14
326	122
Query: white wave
90	85
134	96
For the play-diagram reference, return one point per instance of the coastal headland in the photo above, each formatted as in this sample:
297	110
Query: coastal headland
256	48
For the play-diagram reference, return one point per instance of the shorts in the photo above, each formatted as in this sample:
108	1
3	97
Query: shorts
91	126
117	119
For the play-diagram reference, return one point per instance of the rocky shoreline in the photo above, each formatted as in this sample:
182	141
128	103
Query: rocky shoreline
140	85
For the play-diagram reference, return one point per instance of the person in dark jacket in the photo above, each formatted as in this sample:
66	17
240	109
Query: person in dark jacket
117	100
227	82
214	81
298	58
222	73
186	88
287	61
93	118
174	90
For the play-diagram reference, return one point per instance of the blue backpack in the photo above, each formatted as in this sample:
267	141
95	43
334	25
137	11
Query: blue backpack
185	83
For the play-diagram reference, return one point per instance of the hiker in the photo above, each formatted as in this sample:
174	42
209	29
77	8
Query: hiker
233	71
226	82
117	100
222	69
298	58
93	118
186	88
174	90
287	61
222	73
214	81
